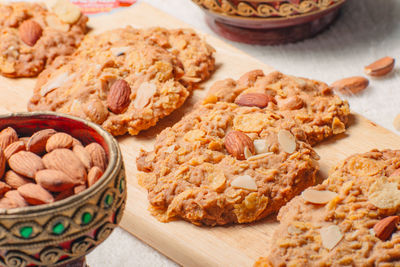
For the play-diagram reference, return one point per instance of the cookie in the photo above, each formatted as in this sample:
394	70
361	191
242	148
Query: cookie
195	55
118	79
308	102
224	163
31	36
351	219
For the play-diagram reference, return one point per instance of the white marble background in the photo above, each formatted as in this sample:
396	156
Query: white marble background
366	31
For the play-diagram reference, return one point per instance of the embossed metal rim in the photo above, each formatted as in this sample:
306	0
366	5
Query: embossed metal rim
114	165
272	19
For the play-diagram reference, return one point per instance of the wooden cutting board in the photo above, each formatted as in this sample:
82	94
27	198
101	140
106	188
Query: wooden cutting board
189	245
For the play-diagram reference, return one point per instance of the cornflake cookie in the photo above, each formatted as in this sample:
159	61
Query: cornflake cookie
310	103
31	37
120	80
224	163
352	219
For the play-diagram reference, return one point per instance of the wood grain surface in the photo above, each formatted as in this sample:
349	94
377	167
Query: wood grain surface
189	245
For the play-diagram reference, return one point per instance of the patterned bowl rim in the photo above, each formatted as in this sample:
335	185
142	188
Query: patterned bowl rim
272	19
115	161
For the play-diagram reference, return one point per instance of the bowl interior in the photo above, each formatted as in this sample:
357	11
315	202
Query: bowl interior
87	132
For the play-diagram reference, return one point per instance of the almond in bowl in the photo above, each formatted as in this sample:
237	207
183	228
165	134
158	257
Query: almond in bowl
62	188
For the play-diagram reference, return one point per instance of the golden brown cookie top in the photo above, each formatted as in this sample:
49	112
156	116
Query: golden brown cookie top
351	219
308	102
32	36
118	79
224	163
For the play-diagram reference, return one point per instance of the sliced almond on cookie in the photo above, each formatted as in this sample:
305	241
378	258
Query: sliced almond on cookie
287	141
244	182
260	146
331	236
318	197
143	95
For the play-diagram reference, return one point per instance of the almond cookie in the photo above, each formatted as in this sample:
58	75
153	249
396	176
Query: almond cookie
351	219
118	79
31	36
224	163
195	55
308	102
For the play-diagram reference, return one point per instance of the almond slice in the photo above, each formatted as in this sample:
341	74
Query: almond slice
143	94
55	83
318	197
244	182
331	236
260	156
260	146
380	67
287	141
247	153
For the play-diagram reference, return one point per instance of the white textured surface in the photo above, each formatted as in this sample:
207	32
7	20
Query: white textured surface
366	31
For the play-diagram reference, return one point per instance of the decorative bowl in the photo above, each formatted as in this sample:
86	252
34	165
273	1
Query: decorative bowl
63	232
269	22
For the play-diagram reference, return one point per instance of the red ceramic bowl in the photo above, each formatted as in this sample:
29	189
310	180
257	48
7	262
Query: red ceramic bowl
63	232
269	22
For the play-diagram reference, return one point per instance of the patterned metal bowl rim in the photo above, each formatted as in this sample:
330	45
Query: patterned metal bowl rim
272	19
115	161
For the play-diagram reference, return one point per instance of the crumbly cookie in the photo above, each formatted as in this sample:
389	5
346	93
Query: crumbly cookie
224	163
308	102
194	54
123	93
31	37
355	223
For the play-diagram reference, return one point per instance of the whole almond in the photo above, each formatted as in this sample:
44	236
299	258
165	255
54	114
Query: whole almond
6	203
59	140
79	188
15	196
53	180
64	194
34	194
26	163
76	142
30	32
385	227
7	137
118	98
254	100
351	85
15	180
98	155
83	155
380	67
14	148
235	143
37	142
4	188
65	160
94	175
2	163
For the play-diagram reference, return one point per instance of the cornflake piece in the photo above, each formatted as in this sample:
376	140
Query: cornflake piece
244	182
331	236
384	195
287	141
318	197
